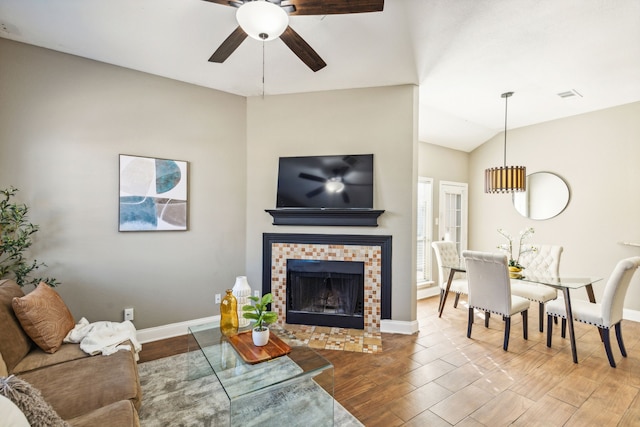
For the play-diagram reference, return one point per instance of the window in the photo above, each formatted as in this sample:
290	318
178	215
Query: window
424	220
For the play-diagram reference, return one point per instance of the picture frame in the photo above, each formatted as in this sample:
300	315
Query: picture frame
153	194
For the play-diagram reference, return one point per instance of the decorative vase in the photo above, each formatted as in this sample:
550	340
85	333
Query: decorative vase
260	337
229	314
242	292
515	272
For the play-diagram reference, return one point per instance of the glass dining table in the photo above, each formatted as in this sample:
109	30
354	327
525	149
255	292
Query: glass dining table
564	284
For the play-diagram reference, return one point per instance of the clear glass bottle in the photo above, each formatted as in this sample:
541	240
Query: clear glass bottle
229	314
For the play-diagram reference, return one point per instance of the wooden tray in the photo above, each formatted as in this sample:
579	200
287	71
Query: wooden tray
243	343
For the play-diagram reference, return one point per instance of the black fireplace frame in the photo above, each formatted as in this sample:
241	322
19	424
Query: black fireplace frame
384	241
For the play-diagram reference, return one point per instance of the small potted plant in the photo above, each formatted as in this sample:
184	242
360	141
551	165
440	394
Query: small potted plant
261	317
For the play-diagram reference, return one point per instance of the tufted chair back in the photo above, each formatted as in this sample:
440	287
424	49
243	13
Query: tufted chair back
489	283
616	289
446	255
543	262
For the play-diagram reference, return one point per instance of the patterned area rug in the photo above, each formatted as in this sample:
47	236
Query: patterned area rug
327	338
182	391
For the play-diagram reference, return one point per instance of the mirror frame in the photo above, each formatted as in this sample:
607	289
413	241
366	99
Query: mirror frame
554	183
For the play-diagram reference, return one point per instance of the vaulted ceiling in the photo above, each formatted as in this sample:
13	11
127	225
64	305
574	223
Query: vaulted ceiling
462	53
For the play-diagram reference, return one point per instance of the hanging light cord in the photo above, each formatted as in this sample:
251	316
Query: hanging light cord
262	69
506	96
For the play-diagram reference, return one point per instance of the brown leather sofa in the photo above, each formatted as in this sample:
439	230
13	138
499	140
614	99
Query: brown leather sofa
84	390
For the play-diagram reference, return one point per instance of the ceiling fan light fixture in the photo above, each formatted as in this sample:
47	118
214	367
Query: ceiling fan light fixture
334	185
262	20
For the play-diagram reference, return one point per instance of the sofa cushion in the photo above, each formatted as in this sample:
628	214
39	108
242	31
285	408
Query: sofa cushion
14	342
83	385
37	358
44	317
119	414
11	414
28	398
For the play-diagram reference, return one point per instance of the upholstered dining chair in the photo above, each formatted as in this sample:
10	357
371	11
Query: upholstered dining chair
490	291
603	315
544	261
447	256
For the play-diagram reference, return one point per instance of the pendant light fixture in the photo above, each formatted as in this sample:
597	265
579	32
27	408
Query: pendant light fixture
505	179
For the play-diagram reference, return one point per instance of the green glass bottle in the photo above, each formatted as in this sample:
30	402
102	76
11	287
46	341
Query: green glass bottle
229	314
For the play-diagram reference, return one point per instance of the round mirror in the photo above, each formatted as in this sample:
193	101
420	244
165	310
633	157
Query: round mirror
547	195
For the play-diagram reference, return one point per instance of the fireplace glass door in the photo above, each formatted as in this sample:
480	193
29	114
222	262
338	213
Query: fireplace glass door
325	293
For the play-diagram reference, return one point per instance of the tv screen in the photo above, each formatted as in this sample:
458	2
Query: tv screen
330	182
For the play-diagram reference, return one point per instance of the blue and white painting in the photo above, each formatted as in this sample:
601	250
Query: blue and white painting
153	194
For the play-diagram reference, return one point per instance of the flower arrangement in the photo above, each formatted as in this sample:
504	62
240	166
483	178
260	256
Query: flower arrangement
522	248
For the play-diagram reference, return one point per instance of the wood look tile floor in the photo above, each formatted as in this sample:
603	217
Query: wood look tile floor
439	377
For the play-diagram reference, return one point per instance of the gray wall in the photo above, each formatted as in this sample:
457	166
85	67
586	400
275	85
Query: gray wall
65	119
359	121
598	154
63	122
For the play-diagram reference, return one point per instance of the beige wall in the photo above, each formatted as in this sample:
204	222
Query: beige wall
63	122
598	154
360	121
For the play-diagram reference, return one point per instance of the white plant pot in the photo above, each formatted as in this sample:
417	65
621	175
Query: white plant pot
260	338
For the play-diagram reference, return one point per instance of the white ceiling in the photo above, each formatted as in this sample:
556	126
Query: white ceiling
462	53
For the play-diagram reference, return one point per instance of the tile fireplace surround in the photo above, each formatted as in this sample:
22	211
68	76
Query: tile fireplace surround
373	251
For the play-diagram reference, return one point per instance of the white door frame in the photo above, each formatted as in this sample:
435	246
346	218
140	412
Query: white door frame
453	217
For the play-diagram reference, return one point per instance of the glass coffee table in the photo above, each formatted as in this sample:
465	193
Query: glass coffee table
293	390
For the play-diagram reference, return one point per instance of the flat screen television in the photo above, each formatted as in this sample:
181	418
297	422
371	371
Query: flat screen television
328	182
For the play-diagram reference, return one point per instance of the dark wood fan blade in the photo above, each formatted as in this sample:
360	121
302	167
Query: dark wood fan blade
334	7
304	175
302	49
315	192
229	45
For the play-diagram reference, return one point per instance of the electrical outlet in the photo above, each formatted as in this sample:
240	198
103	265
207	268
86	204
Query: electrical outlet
128	314
256	293
218	299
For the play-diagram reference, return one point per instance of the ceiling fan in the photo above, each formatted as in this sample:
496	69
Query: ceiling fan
269	19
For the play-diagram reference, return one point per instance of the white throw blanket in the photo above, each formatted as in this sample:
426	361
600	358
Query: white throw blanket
104	337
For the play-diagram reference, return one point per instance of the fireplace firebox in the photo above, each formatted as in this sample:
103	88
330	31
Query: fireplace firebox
325	293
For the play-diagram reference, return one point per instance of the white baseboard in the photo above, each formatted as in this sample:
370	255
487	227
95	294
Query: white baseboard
633	315
428	292
171	330
399	327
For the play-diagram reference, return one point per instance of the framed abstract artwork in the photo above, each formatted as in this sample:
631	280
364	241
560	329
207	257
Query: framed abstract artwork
153	194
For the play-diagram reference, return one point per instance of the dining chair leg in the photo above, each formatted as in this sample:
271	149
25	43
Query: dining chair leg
619	337
507	330
470	322
487	315
550	328
607	346
455	302
541	316
563	328
525	324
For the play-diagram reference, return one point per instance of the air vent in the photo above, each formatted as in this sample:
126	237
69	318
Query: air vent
569	94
